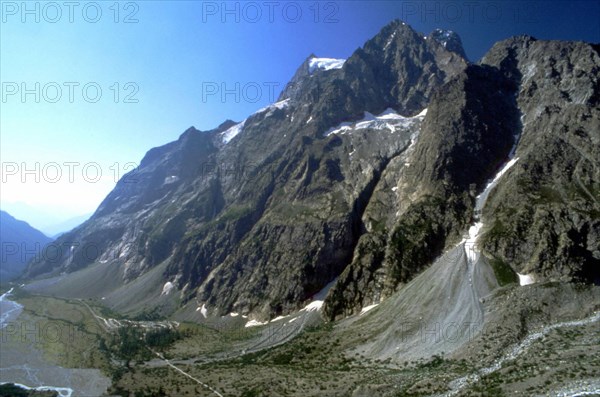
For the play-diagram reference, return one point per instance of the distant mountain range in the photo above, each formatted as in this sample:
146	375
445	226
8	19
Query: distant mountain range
59	228
19	244
362	174
48	221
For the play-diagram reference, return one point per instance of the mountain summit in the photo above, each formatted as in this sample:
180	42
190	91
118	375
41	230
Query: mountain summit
361	175
450	40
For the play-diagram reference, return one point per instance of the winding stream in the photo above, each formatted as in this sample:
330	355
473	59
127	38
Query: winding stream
458	384
9	310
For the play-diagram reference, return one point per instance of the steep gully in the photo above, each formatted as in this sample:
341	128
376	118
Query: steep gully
473	254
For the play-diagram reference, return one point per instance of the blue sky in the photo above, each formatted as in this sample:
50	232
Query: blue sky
153	60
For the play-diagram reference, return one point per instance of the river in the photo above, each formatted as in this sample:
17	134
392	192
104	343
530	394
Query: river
24	365
9	310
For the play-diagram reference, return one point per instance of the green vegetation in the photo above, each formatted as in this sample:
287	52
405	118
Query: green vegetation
320	361
149	315
504	273
235	212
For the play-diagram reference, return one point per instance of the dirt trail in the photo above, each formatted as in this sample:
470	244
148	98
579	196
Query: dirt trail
188	375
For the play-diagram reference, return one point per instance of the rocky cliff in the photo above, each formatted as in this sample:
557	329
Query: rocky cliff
364	172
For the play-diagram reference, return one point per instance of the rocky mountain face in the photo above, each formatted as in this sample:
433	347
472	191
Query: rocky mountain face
546	215
363	174
19	243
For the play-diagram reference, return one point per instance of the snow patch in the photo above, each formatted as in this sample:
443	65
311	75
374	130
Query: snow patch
203	310
324	64
367	308
312	306
481	198
470	241
232	132
319	298
274	106
389	120
254	323
526	279
167	288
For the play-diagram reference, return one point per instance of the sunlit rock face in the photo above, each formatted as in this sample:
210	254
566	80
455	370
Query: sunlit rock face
364	171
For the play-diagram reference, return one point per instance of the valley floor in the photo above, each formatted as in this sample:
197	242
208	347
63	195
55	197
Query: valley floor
539	340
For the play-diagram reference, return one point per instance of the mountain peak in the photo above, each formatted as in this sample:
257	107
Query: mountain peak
226	125
393	31
449	40
187	133
293	86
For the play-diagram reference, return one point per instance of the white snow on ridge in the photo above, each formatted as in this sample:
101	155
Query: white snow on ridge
277	105
232	132
389	119
324	64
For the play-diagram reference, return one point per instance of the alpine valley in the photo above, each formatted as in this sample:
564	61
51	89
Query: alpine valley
404	222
